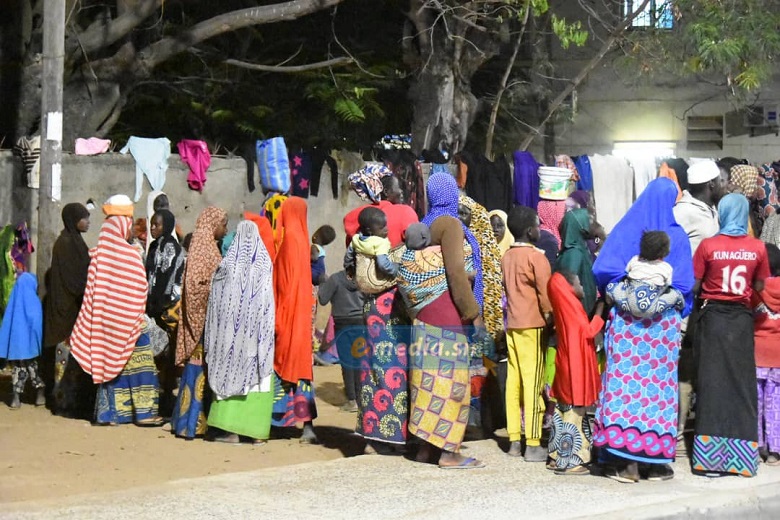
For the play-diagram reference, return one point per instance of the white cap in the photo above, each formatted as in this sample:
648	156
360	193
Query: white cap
703	171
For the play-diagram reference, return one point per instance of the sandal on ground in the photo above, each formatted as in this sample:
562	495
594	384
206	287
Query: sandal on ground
152	421
658	473
259	442
575	471
469	463
552	466
228	439
773	459
621	475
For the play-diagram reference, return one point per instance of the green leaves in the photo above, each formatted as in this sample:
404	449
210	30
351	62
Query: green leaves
569	33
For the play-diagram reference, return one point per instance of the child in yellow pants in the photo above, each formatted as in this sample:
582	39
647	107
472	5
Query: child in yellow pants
526	273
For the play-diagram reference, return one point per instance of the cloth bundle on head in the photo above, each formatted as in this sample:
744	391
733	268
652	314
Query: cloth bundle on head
703	171
507	240
202	260
367	181
110	318
652	211
551	214
443	197
745	177
733	210
67	276
239	335
118	205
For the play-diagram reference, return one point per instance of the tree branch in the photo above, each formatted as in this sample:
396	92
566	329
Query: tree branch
335	62
102	34
164	49
558	101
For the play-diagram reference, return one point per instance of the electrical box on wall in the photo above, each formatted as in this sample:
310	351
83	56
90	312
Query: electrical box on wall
763	116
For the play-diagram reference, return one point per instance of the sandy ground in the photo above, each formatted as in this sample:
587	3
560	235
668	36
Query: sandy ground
45	457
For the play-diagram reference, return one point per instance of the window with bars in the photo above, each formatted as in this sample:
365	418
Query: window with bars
657	14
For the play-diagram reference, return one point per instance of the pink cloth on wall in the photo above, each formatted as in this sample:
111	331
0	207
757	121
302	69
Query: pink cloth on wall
195	154
92	146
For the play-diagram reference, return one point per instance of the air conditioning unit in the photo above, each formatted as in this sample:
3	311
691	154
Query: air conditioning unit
764	116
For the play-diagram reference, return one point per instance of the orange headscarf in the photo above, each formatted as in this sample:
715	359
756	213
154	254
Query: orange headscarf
669	173
266	232
293	295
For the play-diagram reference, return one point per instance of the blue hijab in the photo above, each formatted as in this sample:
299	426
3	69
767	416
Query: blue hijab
652	211
443	198
733	212
21	333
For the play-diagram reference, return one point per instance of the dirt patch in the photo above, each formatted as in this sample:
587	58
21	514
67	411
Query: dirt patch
43	456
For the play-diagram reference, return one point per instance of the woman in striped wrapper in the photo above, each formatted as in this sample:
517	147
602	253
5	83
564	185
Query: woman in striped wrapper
108	341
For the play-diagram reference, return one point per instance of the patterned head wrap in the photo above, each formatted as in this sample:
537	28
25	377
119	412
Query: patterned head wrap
202	260
745	178
443	197
492	313
551	214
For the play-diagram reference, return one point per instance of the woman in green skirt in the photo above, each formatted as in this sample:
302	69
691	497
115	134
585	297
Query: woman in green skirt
239	340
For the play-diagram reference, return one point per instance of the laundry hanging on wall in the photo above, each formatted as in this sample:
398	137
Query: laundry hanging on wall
29	149
195	154
613	188
151	159
91	146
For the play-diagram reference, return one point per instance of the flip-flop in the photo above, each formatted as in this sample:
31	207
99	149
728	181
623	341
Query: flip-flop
575	471
469	463
259	442
153	421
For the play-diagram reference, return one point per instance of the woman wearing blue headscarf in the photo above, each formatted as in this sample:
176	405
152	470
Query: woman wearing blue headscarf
728	268
636	416
439	354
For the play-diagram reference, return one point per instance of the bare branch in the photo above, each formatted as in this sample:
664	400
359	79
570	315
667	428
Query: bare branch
102	34
164	49
558	101
335	62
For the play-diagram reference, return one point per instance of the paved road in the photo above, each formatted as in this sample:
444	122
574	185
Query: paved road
393	487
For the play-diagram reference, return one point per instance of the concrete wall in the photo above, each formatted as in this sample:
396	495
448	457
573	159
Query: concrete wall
99	177
613	104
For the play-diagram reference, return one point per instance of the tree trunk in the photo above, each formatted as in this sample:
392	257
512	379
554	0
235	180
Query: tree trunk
444	108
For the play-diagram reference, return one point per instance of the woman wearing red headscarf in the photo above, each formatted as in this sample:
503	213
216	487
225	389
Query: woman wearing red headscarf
294	392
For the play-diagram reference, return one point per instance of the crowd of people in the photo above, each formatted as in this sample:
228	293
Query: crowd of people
603	340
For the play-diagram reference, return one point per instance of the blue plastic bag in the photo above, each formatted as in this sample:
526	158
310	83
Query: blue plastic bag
274	165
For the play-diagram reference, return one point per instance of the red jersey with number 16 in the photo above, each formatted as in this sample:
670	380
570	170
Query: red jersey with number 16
728	266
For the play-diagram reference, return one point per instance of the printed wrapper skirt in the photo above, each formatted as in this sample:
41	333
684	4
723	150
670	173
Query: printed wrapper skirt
570	437
383	401
726	432
292	403
134	394
440	387
636	416
189	414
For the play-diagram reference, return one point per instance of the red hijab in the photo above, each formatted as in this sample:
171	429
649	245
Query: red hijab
293	295
577	380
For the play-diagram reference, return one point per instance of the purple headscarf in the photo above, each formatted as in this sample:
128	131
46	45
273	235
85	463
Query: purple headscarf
443	197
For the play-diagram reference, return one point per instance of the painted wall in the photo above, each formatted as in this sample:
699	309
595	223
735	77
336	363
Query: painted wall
101	176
